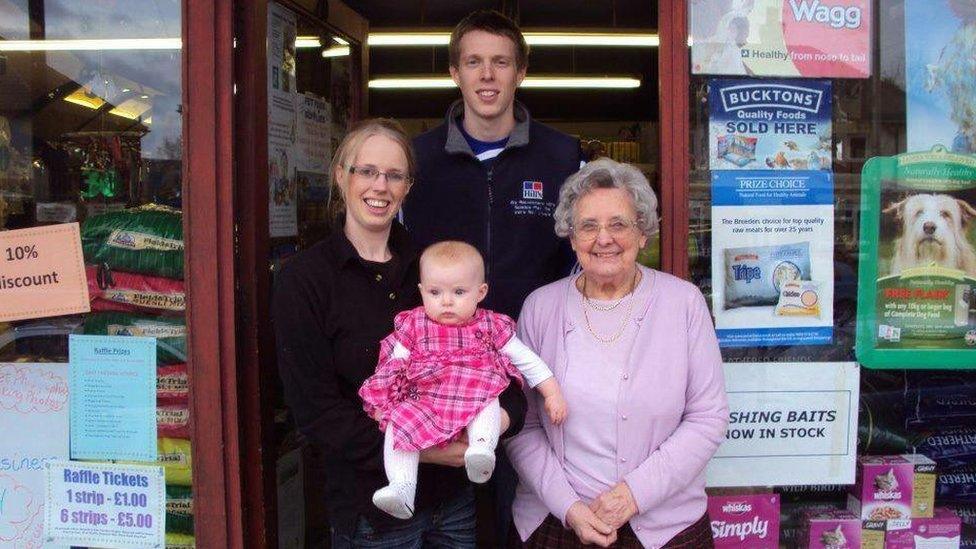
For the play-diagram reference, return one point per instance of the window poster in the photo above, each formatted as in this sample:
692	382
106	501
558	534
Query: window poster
917	274
769	124
940	45
283	108
772	257
789	424
34	416
806	38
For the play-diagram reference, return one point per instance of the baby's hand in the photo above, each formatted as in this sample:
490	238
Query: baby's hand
556	408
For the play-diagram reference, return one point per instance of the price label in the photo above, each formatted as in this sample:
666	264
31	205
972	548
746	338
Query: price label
105	505
42	273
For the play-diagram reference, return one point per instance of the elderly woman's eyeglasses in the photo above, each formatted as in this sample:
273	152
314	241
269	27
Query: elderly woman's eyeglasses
372	174
617	228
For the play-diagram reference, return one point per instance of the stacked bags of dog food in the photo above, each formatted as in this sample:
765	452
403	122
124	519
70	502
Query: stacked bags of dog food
134	266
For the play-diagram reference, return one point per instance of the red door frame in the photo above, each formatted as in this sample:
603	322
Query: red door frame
209	224
255	343
675	134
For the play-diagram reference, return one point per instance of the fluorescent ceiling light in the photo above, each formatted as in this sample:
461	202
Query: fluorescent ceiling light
92	45
131	109
336	51
612	39
543	82
307	42
340	41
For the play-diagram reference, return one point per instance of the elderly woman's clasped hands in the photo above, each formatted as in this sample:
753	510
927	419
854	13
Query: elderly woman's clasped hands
598	522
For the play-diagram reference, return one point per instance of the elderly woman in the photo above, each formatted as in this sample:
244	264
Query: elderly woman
635	352
333	303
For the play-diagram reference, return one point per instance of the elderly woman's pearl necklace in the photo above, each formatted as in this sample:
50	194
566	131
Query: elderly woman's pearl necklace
623	323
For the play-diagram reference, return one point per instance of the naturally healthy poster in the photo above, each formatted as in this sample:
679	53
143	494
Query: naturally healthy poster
917	276
34	416
769	124
283	108
773	257
807	38
940	45
789	424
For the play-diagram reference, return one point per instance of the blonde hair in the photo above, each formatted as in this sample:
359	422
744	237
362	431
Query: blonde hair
452	252
349	148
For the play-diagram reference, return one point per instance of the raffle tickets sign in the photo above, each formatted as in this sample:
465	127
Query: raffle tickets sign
769	124
808	38
917	279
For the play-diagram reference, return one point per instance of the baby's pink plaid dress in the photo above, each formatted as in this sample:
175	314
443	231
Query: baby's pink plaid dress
452	372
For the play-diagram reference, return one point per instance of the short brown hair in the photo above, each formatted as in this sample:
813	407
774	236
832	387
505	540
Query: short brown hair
492	22
451	251
349	148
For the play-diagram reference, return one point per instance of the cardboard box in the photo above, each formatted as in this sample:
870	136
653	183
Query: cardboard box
942	531
886	487
832	530
873	534
745	521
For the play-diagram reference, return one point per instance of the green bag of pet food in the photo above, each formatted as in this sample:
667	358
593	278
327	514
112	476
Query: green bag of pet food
147	240
170	332
179	509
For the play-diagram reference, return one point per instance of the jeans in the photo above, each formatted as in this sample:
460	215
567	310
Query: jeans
450	525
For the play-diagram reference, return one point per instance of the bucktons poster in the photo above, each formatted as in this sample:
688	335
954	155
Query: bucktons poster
769	124
34	415
789	424
772	257
809	38
940	45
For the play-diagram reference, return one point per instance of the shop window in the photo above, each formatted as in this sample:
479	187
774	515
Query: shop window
90	137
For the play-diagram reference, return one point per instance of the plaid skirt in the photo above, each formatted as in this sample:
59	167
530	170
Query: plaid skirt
551	535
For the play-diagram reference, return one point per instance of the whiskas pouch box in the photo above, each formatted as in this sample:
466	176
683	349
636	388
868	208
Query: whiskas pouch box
832	530
942	531
747	521
884	488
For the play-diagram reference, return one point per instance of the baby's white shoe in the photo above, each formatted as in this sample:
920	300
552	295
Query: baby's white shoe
479	461
396	499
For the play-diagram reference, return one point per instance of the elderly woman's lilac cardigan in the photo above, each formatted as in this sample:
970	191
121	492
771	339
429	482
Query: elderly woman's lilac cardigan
675	395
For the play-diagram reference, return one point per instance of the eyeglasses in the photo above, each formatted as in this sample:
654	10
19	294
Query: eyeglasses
372	174
589	230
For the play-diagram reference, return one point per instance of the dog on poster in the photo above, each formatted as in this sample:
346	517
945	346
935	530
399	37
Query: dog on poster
933	233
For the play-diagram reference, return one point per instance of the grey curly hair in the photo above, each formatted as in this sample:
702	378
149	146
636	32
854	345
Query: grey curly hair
607	174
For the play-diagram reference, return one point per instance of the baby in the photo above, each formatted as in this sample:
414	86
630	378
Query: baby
441	371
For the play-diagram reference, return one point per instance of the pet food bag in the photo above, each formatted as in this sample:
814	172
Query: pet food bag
179	510
755	275
170	332
147	240
111	290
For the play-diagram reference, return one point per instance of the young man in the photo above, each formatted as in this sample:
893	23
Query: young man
490	176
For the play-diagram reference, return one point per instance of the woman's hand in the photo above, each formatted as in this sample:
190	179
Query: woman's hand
451	454
616	506
589	529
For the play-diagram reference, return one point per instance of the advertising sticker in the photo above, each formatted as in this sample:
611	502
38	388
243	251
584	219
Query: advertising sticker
284	155
917	274
769	124
807	38
940	45
105	505
741	521
772	258
789	424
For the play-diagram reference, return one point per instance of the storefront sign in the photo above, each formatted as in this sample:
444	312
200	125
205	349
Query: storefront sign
769	124
772	257
790	423
809	38
940	88
283	152
917	274
105	505
113	397
34	420
42	273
